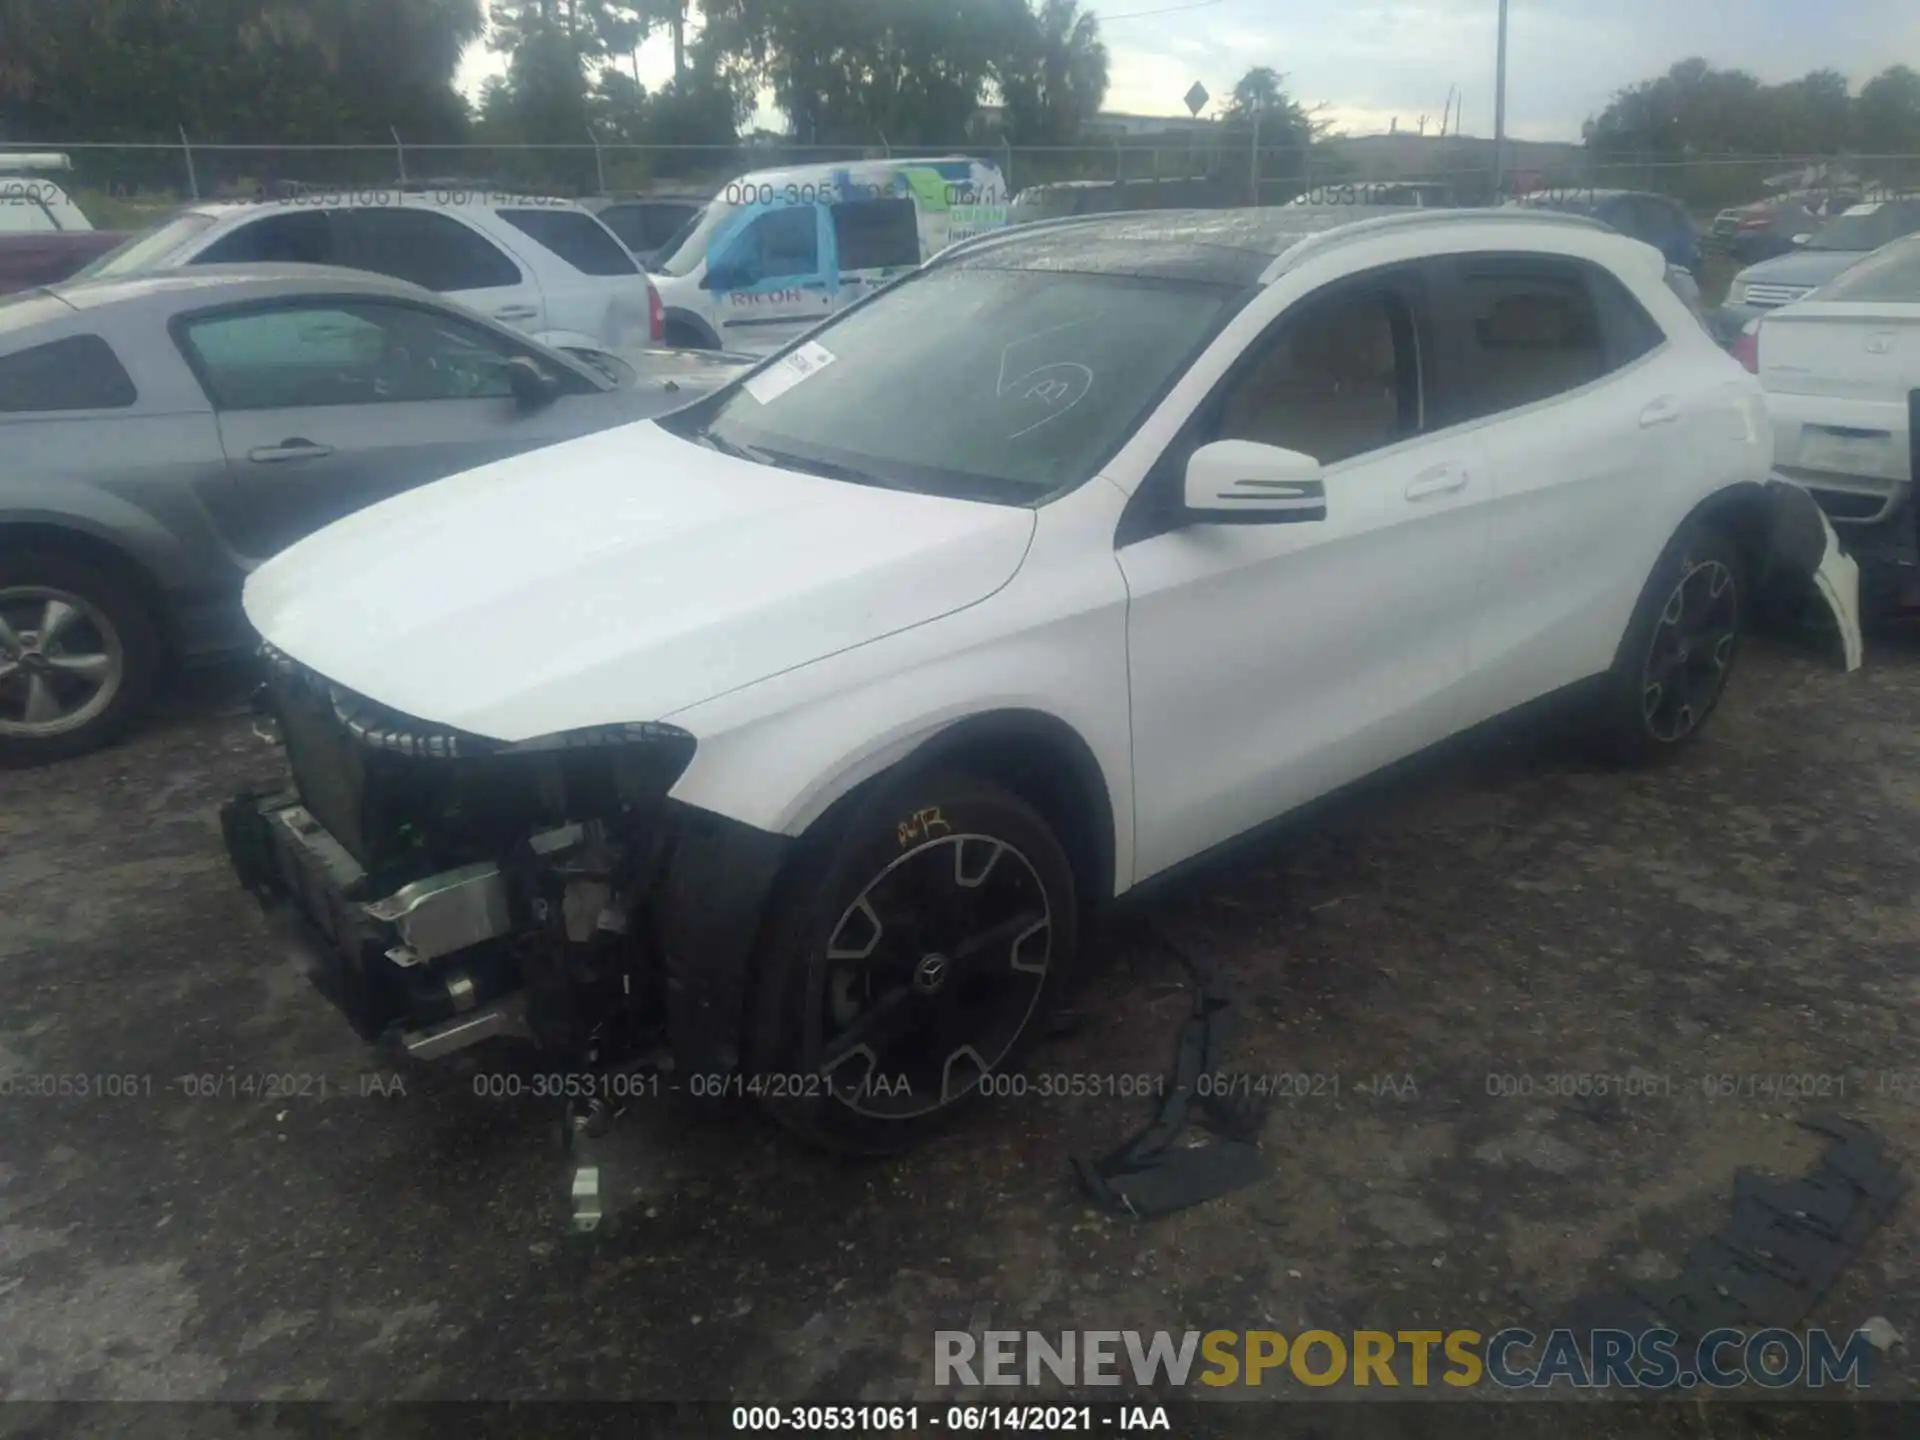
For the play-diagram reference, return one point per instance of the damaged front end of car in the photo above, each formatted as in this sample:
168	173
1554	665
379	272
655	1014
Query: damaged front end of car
443	889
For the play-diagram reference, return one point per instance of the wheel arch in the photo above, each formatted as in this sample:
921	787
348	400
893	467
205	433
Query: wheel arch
680	315
1036	754
43	537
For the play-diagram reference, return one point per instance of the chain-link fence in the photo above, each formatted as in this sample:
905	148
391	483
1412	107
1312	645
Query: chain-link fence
123	184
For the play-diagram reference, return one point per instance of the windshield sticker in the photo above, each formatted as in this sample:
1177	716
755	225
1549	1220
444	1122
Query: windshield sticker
804	363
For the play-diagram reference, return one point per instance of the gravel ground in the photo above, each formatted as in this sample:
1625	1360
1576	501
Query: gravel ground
1748	911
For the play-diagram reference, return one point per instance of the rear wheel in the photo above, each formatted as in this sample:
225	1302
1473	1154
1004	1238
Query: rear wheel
919	945
1678	653
79	657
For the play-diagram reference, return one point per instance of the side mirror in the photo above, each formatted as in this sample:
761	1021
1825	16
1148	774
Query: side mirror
1239	482
533	388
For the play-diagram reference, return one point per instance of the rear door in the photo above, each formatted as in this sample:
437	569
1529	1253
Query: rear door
873	242
328	405
592	284
440	252
1586	414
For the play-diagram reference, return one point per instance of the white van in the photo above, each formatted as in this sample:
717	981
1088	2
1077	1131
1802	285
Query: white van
776	252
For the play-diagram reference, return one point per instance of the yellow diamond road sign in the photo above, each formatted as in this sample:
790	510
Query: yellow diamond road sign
1197	98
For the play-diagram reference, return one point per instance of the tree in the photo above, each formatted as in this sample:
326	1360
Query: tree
262	70
1053	73
1887	115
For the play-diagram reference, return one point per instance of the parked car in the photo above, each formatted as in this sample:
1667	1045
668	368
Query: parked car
1841	370
808	721
544	266
778	251
1660	221
44	235
646	223
1849	237
1751	233
164	433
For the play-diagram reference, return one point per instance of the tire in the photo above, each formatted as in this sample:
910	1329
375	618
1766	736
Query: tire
954	908
104	621
1678	651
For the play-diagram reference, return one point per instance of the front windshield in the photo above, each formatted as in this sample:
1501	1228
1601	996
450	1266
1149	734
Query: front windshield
1000	385
683	253
149	247
1868	229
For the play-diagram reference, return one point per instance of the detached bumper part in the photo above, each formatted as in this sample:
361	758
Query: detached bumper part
1803	541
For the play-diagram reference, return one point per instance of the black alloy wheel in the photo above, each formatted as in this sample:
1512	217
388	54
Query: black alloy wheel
914	956
1691	653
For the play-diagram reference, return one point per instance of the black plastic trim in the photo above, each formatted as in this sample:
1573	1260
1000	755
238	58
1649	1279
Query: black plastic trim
709	908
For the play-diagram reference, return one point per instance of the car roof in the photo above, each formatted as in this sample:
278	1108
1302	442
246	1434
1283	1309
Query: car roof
1231	247
238	282
376	198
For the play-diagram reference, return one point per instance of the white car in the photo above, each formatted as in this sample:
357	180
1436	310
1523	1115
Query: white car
544	266
1841	369
797	731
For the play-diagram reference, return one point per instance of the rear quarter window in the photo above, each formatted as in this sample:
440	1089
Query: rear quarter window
78	373
577	238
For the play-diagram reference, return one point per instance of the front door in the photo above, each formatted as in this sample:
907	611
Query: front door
765	278
326	406
1273	663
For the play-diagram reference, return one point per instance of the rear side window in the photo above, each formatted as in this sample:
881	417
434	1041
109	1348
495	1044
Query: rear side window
1527	330
428	249
877	234
1628	330
300	237
78	373
580	240
629	222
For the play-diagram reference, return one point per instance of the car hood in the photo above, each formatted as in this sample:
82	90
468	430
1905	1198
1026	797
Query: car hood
619	577
1802	267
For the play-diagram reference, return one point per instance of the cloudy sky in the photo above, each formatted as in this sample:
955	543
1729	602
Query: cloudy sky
1377	59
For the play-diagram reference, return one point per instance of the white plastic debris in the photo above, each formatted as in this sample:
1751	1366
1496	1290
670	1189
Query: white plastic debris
1881	1334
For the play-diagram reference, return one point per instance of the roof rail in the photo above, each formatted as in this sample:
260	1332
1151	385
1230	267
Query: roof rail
1312	245
986	240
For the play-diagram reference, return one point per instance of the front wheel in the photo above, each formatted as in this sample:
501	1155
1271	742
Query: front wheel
913	957
79	656
1678	652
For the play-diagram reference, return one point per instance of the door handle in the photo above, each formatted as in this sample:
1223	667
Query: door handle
515	312
1663	411
290	449
1442	480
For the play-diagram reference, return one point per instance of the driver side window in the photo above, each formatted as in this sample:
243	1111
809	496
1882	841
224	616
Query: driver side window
344	353
1338	377
782	244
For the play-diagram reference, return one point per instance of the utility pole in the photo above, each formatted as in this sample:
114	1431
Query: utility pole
1500	107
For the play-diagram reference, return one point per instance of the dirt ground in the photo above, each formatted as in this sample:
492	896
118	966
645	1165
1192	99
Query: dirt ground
1749	911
